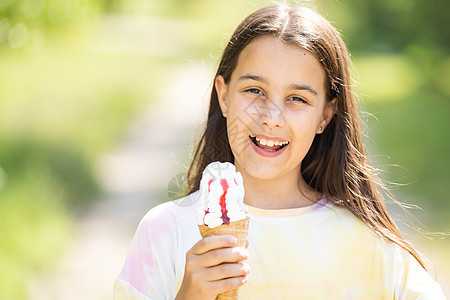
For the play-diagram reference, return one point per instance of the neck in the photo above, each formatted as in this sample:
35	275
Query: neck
281	193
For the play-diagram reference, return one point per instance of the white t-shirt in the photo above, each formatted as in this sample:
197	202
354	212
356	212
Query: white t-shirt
317	252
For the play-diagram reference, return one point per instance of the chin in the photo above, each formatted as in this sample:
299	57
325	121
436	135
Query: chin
261	171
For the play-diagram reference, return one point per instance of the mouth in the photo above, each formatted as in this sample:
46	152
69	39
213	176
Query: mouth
271	145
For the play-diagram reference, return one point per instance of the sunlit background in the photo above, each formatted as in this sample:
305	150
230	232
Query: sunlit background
80	81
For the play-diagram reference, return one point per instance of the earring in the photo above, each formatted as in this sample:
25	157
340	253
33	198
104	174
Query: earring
320	128
224	114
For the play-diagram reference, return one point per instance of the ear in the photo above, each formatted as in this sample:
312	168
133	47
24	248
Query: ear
328	113
221	89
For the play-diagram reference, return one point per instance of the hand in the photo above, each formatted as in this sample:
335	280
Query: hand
213	265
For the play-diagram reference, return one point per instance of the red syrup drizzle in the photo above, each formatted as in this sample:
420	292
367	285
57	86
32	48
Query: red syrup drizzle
224	184
223	205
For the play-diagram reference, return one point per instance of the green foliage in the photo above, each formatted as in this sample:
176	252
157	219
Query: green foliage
386	77
59	110
26	23
391	26
46	13
62	166
408	128
34	225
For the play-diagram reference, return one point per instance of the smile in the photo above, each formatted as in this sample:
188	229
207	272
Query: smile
267	144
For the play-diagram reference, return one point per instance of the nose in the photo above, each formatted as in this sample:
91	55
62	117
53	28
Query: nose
270	114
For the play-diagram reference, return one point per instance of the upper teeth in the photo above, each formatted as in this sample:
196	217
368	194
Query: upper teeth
269	143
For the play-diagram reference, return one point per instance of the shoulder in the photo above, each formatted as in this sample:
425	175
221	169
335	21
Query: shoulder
155	259
173	222
172	212
401	272
344	221
347	230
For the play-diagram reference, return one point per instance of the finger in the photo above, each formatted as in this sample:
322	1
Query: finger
227	270
228	284
246	244
224	255
213	242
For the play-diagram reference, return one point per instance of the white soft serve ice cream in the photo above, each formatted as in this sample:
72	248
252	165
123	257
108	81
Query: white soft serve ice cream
221	195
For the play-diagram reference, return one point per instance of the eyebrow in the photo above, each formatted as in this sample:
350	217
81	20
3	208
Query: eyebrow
301	87
253	77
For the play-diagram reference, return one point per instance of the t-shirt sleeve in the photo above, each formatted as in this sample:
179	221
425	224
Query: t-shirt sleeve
419	283
149	270
412	281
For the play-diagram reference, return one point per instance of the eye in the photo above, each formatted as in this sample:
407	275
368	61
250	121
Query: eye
255	91
298	99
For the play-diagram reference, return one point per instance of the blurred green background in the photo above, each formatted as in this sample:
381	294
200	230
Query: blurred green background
68	90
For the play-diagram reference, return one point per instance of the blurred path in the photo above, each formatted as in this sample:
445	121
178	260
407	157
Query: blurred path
134	178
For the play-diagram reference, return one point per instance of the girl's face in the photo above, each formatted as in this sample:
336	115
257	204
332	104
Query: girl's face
275	105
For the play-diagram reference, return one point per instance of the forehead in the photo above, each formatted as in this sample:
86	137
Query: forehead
272	58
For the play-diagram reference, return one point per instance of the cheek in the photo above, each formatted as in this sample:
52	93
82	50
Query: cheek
303	126
237	104
241	114
237	130
303	120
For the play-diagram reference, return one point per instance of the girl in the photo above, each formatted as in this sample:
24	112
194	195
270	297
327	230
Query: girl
283	112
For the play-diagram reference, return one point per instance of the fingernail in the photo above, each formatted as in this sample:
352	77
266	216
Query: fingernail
247	268
232	240
244	252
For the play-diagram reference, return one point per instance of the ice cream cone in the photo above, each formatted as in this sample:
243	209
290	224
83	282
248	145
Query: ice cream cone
239	229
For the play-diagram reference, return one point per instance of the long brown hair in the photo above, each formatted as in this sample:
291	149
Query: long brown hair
336	164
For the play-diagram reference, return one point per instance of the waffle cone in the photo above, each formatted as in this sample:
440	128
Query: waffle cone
239	229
